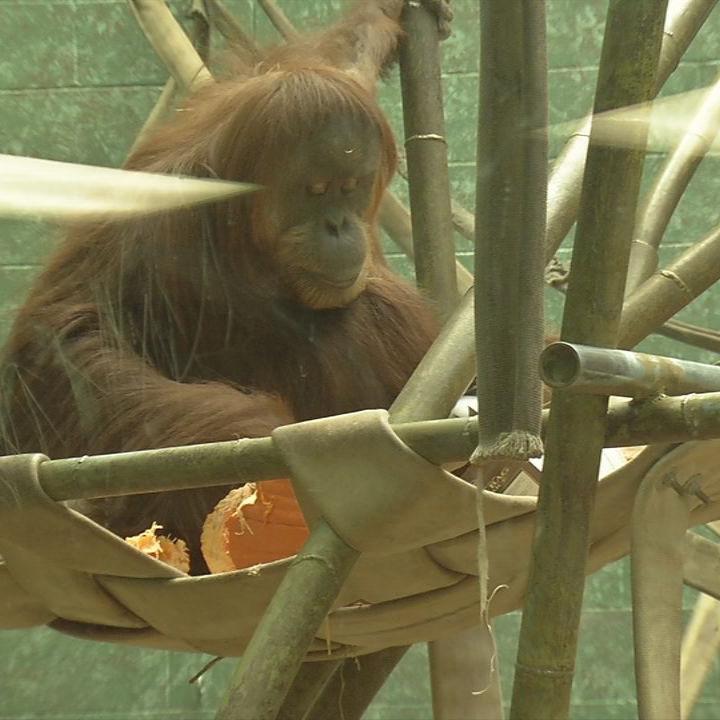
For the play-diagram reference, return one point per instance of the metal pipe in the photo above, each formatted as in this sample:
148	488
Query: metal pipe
601	371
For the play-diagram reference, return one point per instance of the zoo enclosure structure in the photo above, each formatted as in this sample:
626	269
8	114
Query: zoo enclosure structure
305	589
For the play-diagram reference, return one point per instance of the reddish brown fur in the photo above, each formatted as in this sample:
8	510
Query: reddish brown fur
175	328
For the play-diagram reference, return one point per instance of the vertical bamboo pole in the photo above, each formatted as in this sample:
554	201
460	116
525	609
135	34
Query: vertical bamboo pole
574	440
669	187
426	148
431	213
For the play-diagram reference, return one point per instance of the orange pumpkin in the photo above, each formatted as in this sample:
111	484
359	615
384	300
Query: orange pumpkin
253	524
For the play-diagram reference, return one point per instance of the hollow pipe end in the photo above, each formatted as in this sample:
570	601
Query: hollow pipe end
559	365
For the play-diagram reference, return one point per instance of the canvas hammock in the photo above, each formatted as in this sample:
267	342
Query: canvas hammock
414	523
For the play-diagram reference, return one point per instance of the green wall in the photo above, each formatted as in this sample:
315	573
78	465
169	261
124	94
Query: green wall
76	81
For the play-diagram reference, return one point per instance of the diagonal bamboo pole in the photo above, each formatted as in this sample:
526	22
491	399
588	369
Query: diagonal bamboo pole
200	39
684	19
694	335
576	429
307	687
670	290
395	221
353	687
171	43
669	186
278	18
231	30
277	648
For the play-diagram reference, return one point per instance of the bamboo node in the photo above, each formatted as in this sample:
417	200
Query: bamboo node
677	281
315	558
514	445
426	136
686	411
638	241
546	672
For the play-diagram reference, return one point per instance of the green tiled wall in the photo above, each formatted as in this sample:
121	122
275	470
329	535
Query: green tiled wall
77	80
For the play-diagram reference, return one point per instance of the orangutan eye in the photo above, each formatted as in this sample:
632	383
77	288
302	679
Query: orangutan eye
318	188
349	185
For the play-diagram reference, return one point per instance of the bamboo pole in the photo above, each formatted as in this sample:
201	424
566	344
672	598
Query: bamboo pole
279	20
395	221
354	685
660	518
160	111
669	186
460	664
463	220
694	335
448	368
684	19
171	43
426	148
309	683
670	290
200	29
299	606
200	39
231	30
701	561
657	421
576	429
